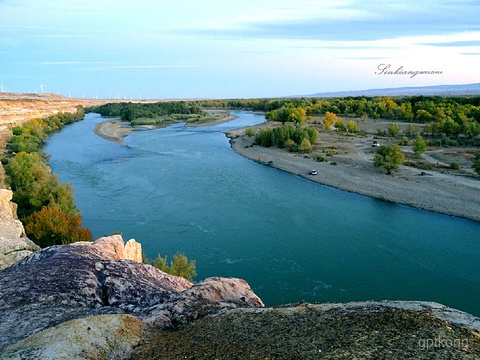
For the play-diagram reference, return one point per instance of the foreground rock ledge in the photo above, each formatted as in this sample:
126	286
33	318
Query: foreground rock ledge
88	300
61	283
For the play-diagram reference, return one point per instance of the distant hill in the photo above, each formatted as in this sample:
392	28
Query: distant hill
442	90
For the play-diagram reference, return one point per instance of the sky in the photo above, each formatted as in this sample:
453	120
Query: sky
234	49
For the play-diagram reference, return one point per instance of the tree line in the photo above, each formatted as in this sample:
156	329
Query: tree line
452	115
46	206
128	111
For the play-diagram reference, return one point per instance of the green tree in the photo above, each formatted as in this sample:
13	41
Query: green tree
393	129
419	146
264	137
389	157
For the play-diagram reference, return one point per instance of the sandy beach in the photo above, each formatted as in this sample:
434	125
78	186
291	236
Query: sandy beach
434	191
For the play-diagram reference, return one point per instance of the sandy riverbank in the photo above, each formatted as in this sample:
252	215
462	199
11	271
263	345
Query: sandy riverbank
440	192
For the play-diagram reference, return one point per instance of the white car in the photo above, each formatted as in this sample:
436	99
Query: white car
313	172
375	144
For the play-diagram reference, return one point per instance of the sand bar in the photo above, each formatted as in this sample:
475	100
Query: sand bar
113	130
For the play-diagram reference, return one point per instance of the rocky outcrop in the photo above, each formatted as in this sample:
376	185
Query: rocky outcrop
62	283
14	245
114	248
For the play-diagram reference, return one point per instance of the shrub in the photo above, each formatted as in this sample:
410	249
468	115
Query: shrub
393	129
179	266
455	166
331	152
250	132
290	144
476	163
404	141
321	158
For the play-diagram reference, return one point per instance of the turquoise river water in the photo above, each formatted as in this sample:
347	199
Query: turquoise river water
185	190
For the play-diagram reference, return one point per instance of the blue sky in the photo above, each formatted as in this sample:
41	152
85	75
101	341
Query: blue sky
222	49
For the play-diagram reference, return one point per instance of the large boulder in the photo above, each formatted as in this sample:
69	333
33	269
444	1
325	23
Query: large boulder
14	245
62	283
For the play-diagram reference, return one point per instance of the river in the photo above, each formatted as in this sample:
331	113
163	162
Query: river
180	189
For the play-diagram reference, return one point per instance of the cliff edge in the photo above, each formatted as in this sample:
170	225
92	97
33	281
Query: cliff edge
14	245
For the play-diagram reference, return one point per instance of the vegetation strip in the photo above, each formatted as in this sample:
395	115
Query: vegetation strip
46	207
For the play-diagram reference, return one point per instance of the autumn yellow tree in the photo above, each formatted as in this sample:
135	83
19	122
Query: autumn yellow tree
352	127
52	226
329	120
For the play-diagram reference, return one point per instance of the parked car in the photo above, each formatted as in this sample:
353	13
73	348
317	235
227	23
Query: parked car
270	163
375	144
313	172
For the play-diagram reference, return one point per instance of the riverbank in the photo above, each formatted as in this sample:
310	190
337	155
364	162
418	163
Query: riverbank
353	171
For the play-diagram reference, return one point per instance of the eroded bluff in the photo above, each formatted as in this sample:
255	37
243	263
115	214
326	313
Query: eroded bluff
93	293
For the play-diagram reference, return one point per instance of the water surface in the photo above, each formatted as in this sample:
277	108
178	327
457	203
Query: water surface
185	190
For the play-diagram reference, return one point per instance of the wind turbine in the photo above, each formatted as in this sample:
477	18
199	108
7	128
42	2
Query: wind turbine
69	94
41	87
2	88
